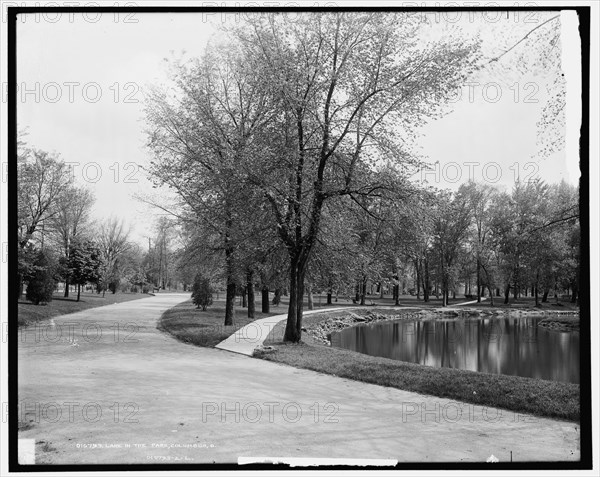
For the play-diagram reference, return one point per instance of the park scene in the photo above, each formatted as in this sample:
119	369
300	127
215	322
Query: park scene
309	237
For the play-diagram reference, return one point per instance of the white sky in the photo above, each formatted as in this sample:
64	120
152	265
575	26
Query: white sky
66	62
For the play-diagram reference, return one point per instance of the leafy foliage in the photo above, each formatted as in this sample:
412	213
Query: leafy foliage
41	278
202	292
84	262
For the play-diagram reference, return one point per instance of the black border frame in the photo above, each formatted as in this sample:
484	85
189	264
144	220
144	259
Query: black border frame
583	13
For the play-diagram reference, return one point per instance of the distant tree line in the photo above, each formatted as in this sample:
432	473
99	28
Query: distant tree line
59	242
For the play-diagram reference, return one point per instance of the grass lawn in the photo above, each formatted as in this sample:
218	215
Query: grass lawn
28	313
526	303
205	328
515	393
410	301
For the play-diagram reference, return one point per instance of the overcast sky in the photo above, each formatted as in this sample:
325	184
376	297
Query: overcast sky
81	83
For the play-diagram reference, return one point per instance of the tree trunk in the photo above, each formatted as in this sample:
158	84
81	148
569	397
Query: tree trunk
478	279
229	268
277	297
491	295
78	291
230	302
426	284
329	293
418	281
397	294
363	291
357	295
293	328
545	296
309	293
265	299
250	291
66	288
245	293
20	286
506	294
231	288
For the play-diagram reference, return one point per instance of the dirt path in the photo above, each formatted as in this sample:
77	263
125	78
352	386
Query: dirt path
136	395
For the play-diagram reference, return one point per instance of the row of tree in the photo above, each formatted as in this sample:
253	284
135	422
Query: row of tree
59	242
289	149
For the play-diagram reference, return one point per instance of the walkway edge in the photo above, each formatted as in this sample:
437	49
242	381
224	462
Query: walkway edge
248	338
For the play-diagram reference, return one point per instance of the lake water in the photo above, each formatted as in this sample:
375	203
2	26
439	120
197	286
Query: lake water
515	346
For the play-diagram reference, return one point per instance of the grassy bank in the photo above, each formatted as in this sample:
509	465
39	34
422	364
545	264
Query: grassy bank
523	303
189	324
28	313
514	393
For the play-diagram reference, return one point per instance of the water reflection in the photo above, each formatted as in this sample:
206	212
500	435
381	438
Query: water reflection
513	346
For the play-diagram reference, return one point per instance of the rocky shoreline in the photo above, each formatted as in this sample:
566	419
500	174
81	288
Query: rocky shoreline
322	330
563	324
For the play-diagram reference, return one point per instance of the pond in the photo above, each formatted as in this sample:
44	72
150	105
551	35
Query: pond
514	346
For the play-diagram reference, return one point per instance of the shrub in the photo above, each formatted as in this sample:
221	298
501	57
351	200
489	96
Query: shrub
124	286
113	285
202	292
41	280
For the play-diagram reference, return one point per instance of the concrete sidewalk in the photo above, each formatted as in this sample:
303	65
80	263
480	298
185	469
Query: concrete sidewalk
468	302
247	339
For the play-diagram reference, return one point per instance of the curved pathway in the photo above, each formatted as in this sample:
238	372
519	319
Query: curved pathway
135	395
249	337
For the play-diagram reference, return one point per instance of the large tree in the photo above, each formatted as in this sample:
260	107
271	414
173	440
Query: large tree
351	87
199	137
42	180
479	200
83	263
71	220
451	223
113	242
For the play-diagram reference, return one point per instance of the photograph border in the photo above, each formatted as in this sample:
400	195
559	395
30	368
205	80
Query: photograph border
583	13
